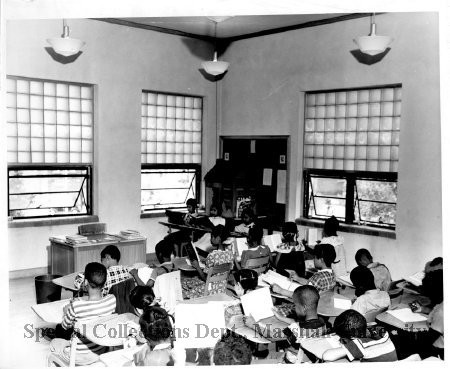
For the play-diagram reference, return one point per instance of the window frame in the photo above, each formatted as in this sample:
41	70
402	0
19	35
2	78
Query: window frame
196	167
89	185
350	202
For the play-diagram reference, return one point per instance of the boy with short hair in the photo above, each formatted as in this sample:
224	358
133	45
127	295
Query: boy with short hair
368	296
357	343
380	272
92	306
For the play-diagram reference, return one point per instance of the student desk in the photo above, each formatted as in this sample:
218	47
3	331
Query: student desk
326	304
391	320
67	258
67	282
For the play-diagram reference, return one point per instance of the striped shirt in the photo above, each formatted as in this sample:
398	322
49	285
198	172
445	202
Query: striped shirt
369	349
83	310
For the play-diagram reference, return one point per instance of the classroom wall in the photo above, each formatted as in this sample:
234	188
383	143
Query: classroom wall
262	94
120	61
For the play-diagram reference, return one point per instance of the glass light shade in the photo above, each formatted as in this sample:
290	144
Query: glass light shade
373	44
65	46
215	67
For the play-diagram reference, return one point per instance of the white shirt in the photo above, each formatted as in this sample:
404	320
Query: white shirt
371	300
217	220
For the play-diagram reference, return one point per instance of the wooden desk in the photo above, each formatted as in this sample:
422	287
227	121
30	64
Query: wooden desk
66	258
51	312
326	304
184	227
67	282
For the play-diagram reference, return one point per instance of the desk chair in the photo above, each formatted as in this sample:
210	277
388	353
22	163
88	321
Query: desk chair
372	314
217	275
260	265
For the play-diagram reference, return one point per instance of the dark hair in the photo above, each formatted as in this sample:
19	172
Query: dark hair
331	226
360	253
350	324
217	207
433	286
308	296
232	349
289	231
436	261
363	280
164	250
248	279
155	324
256	233
141	297
326	252
219	231
191	202
249	212
112	251
95	274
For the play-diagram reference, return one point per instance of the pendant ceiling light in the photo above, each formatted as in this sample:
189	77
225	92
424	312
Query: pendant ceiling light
373	44
215	67
65	45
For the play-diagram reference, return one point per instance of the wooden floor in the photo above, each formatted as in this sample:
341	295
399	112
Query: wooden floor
26	347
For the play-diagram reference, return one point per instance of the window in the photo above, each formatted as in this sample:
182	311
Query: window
171	144
50	147
351	142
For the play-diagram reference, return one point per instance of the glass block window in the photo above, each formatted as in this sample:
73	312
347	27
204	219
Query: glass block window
355	129
171	127
49	122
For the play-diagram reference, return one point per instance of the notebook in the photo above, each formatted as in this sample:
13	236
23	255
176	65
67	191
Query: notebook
343	304
258	303
240	244
407	316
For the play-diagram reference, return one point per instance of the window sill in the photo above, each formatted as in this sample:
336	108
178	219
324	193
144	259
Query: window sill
23	223
349	228
156	214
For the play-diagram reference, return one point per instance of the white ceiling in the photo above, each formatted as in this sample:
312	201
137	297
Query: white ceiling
231	27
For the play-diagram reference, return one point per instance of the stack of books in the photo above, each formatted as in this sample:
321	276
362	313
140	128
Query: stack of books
130	234
76	239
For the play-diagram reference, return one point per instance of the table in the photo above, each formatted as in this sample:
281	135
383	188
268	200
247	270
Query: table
67	258
326	304
51	312
67	282
184	227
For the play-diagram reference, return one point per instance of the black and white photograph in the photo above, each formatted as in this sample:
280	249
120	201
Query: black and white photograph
224	182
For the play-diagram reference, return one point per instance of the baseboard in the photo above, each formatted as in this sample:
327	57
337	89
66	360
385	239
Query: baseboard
26	273
33	272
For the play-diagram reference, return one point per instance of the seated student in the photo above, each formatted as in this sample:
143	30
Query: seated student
142	297
357	343
255	248
215	217
232	349
368	296
157	329
92	306
116	273
329	236
295	259
380	272
323	279
245	280
248	221
435	264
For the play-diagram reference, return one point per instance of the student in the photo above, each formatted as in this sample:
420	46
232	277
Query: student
380	272
368	296
142	297
116	273
232	349
357	344
215	217
329	236
324	279
295	259
157	329
248	221
255	248
435	264
246	280
92	306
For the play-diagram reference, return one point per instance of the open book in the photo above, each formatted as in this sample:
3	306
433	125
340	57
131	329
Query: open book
240	244
272	278
258	303
272	241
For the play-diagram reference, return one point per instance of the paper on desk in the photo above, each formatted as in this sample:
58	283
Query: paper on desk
407	316
309	264
202	325
168	288
343	304
346	279
51	312
258	303
144	273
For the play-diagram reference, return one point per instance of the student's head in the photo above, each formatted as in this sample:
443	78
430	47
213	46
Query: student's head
363	280
110	255
164	251
330	227
255	235
218	234
363	257
247	278
247	216
232	349
435	264
289	231
305	300
155	324
215	210
95	275
324	255
433	286
191	205
141	297
350	324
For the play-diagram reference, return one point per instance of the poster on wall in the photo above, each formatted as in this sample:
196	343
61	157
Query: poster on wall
281	187
267	177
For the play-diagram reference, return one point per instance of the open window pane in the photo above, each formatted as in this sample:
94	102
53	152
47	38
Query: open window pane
377	190
328	196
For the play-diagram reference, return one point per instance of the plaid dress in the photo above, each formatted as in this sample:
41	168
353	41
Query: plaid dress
323	280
